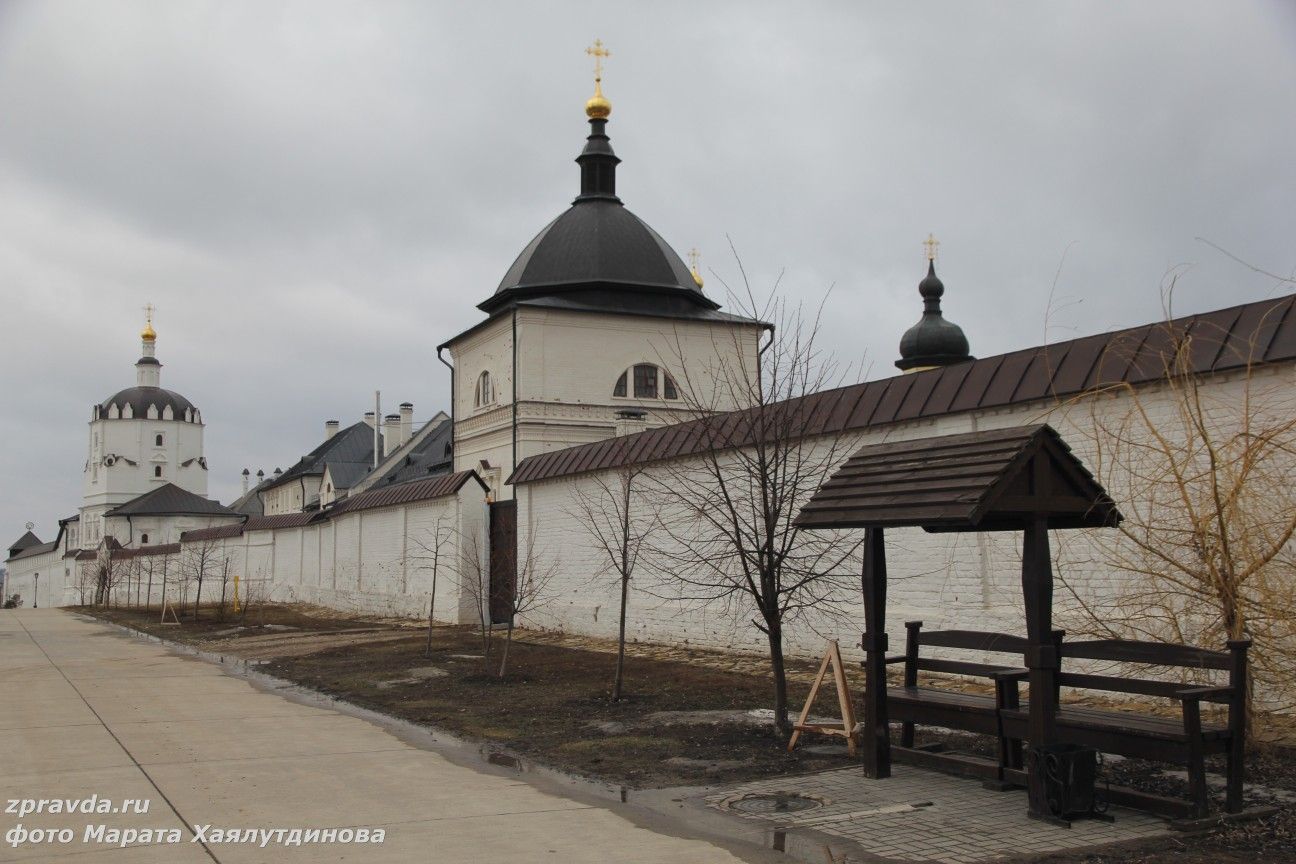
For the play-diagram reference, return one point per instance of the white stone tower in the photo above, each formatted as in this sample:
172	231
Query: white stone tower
141	438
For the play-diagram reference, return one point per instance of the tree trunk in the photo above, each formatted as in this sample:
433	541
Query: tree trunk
197	598
620	666
508	640
780	678
427	649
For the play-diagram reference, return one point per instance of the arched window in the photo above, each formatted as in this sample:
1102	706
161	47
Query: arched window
485	394
650	382
157	470
143	539
158	440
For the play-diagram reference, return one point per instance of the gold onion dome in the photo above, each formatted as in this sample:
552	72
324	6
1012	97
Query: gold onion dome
598	107
148	334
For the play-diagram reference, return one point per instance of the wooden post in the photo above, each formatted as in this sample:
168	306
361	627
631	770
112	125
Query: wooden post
1041	649
876	735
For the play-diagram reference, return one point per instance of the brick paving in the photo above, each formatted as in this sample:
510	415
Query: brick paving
925	816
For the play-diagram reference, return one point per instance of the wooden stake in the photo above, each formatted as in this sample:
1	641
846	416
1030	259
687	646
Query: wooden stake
832	657
167	607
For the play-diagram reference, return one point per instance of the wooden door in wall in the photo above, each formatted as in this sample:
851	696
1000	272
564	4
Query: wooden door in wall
503	559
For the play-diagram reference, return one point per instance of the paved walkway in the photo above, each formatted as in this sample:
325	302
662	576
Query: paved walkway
925	816
87	711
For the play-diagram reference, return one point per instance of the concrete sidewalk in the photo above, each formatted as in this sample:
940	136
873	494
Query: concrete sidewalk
86	710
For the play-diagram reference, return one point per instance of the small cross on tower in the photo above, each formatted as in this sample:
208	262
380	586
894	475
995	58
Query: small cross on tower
930	244
598	52
149	309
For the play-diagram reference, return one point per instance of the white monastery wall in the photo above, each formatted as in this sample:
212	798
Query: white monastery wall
969	581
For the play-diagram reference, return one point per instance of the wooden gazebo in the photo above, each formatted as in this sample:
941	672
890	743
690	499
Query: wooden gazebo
1023	478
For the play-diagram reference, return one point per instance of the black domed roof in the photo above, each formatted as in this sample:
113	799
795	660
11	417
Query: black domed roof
933	341
140	398
599	242
599	245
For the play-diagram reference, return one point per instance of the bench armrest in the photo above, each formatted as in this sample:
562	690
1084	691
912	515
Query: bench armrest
1198	693
1011	675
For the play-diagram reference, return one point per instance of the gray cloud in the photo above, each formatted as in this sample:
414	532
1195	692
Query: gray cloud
317	194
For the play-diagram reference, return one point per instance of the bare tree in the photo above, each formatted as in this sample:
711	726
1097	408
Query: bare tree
108	571
728	508
224	583
1205	474
474	586
431	543
148	592
255	594
530	589
88	581
199	562
617	522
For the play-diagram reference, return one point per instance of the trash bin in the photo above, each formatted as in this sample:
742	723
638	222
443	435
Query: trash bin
1063	780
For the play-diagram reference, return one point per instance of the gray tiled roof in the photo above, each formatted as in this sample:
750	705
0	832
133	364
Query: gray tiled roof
346	474
352	444
430	457
24	542
168	500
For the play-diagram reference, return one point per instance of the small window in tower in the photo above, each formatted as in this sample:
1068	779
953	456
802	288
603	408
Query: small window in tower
158	440
620	388
485	394
668	387
157	470
645	381
143	539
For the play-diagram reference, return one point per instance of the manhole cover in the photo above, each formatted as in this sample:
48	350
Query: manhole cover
774	802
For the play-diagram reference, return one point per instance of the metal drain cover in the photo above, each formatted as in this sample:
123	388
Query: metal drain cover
765	803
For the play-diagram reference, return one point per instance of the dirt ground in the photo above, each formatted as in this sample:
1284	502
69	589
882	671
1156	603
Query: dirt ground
691	717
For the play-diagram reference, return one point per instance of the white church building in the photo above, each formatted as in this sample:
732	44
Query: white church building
595	352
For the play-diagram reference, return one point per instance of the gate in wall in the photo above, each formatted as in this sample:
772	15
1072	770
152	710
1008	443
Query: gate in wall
503	559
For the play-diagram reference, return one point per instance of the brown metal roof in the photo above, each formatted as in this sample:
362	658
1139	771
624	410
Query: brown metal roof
150	551
405	493
974	481
220	532
280	520
1260	332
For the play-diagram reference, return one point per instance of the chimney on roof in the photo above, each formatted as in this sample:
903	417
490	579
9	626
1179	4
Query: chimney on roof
631	420
278	471
330	428
406	422
246	475
260	476
391	434
369	418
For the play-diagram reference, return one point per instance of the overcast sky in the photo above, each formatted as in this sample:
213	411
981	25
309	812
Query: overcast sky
316	194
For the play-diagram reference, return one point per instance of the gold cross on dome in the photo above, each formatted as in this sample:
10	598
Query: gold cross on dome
149	309
931	243
598	52
693	257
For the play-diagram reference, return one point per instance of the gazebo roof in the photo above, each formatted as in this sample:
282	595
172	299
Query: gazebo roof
995	480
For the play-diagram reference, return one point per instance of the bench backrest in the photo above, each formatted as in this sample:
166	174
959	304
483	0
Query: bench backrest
970	640
1130	651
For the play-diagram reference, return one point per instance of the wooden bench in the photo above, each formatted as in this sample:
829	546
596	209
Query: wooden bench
1183	740
912	705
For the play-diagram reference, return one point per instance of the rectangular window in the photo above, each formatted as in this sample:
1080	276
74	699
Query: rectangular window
645	378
